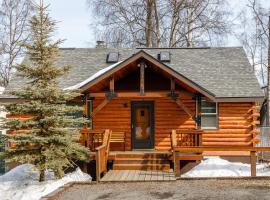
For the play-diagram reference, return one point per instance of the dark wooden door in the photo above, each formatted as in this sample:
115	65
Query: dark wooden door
142	122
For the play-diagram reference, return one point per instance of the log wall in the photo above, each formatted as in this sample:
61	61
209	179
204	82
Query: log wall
236	121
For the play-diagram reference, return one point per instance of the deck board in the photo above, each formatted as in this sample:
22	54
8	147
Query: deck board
137	175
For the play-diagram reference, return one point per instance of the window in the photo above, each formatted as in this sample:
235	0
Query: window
208	114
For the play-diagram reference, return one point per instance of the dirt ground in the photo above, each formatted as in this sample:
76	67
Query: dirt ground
181	189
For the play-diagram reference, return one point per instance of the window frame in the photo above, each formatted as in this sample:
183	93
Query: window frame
216	114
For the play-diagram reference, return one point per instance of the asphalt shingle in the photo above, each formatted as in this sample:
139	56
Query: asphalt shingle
225	71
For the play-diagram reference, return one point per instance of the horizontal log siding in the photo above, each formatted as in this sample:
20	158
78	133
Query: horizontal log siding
235	127
235	121
168	116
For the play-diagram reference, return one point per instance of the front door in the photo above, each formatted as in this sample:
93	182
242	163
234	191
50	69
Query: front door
142	122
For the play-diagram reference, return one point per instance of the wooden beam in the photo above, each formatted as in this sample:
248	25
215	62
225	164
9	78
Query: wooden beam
99	107
133	94
172	85
228	148
176	163
112	84
182	105
142	78
161	94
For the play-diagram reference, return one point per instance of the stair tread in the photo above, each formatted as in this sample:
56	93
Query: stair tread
141	164
140	159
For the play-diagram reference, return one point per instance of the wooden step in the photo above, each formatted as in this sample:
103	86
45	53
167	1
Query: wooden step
140	161
158	167
142	155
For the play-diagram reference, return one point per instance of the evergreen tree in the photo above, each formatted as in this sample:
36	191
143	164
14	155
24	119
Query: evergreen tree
47	141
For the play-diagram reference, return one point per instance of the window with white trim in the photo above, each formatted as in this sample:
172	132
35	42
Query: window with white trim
209	114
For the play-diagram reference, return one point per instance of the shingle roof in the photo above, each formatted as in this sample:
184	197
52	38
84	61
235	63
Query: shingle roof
224	71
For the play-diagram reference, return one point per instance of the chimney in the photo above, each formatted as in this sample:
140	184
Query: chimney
100	44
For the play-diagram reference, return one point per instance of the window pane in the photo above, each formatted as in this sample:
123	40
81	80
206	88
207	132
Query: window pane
209	121
208	107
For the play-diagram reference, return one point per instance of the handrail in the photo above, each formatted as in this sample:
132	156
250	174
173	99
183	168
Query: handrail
102	153
219	148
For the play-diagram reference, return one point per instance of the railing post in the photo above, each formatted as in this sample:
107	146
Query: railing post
97	166
176	163
253	163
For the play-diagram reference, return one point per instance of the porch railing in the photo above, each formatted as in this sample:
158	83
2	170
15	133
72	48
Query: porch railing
98	142
91	139
102	153
184	138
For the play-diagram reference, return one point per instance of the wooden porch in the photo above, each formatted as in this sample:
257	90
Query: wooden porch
154	165
138	175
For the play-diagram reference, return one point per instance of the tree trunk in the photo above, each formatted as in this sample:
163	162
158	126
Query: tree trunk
157	24
189	23
149	23
268	79
175	17
42	169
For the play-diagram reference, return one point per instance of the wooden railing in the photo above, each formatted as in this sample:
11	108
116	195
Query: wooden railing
187	138
193	145
184	138
91	138
102	153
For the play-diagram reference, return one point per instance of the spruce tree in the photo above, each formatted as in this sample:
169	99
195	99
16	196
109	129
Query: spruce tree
47	140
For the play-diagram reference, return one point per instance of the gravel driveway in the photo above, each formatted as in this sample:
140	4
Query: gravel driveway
181	189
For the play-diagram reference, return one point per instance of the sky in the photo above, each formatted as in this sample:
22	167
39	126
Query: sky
75	18
73	22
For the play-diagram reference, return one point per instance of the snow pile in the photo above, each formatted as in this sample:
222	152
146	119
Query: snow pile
94	76
217	167
21	183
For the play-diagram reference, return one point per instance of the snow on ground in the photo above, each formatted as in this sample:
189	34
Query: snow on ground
21	183
217	167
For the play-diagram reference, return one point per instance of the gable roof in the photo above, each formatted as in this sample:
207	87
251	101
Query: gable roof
224	72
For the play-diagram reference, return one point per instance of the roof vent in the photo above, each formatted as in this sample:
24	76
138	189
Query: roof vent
112	57
164	56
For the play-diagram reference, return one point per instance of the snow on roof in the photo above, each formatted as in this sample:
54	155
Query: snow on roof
94	76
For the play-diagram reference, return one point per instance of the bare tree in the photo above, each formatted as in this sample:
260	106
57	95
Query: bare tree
155	23
14	16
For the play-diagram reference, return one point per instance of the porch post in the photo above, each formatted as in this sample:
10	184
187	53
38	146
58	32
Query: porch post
142	78
253	163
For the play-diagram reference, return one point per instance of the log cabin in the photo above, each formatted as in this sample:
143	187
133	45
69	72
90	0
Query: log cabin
141	103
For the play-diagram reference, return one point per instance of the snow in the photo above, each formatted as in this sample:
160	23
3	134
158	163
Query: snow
21	183
94	76
217	167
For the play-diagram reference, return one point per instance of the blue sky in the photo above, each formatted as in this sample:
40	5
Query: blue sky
75	19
